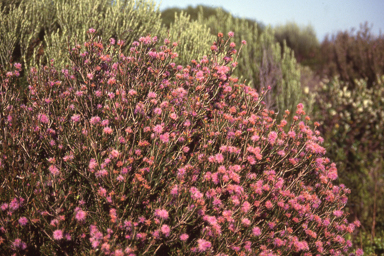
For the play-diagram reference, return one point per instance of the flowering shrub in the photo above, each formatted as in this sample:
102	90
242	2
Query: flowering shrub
136	155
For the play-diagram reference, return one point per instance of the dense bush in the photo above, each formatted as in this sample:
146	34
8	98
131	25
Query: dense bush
302	41
192	37
353	56
168	15
352	121
134	154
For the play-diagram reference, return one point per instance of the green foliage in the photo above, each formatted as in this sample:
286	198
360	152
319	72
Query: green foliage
301	39
193	38
13	30
353	56
352	122
168	15
375	246
48	25
309	82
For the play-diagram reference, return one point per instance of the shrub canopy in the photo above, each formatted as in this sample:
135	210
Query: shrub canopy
132	153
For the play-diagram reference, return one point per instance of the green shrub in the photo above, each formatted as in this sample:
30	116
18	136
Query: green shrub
353	56
301	40
48	25
352	121
193	38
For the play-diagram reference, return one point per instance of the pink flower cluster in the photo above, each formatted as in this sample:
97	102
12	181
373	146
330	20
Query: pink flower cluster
135	155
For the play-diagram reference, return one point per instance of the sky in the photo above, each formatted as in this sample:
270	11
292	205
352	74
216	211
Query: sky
325	16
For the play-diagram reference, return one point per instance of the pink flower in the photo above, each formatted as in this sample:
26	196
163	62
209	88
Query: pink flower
53	169
102	192
75	118
199	75
18	244
231	34
203	245
221	70
165	230
174	191
81	215
272	137
216	202
120	178
251	160
271	225
278	242
152	95
164	137
187	123
196	194
107	130
91	30
173	116
338	213
158	129
326	222
359	252
210	219
255	138
332	174
181	171
219	158
157	111
246	222
58	234
105	122
92	164
184	237
4	206
132	92
114	153
111	81
23	221
246	207
105	247
119	252
17	66
43	118
269	205
161	213
256	231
